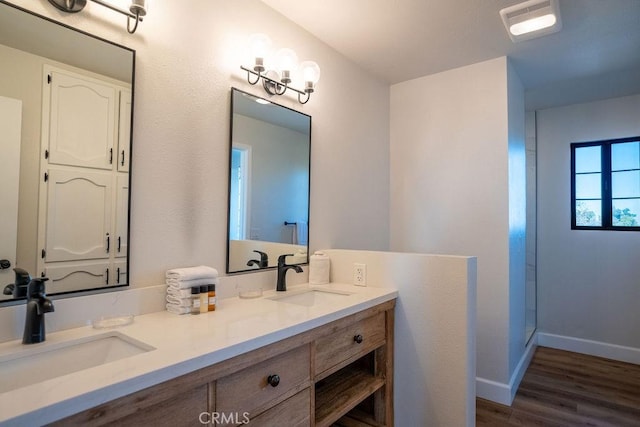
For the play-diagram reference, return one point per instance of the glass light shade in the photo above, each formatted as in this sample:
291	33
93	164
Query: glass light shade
286	60
310	72
259	45
534	24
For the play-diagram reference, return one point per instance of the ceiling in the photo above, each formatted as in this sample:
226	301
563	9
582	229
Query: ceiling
597	50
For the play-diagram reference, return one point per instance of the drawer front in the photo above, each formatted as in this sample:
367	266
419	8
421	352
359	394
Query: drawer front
293	412
355	340
249	390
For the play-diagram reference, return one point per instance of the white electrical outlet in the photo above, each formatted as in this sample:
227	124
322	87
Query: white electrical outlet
360	274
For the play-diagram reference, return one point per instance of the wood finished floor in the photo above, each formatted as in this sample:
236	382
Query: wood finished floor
564	389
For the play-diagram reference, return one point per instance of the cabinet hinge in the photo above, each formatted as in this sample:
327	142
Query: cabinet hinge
49	78
46	177
46	154
43	254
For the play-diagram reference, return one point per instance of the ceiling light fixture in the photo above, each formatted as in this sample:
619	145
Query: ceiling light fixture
531	19
276	80
137	10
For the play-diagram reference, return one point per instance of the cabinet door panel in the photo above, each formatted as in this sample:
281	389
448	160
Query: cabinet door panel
124	131
76	276
122	216
82	121
78	215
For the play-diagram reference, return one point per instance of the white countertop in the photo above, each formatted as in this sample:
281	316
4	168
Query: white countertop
183	343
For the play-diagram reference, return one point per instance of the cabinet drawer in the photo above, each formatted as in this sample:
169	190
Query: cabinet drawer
351	342
293	412
249	391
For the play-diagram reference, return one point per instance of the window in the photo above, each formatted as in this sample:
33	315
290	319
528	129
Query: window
605	185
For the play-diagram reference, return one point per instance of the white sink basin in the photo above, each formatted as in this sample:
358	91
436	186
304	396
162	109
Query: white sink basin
311	297
40	362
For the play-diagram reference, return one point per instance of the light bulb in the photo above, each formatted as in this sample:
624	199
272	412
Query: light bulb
310	74
259	45
286	64
533	24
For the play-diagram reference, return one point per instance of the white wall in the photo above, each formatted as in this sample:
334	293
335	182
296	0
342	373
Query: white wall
450	189
187	59
588	281
434	358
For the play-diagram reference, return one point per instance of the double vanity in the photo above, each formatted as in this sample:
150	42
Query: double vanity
307	356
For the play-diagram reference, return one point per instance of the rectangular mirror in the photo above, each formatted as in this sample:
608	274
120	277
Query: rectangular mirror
65	138
270	149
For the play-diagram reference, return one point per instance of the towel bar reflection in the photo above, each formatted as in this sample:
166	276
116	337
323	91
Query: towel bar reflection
290	223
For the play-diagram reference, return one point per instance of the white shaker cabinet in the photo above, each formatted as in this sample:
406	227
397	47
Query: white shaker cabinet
78	220
122	215
84	195
82	120
124	130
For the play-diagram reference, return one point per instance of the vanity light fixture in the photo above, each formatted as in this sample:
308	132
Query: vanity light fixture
276	79
137	9
531	19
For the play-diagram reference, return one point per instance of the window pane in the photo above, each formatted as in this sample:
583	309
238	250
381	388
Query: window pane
625	212
588	159
625	184
625	156
588	186
589	213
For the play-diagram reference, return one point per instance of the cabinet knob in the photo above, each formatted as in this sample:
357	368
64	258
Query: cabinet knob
358	338
273	380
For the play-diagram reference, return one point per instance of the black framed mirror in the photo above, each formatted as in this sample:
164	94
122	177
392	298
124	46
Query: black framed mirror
269	182
66	156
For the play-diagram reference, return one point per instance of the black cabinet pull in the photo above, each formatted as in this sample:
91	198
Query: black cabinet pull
108	243
107	281
110	156
122	161
273	380
358	339
118	276
119	243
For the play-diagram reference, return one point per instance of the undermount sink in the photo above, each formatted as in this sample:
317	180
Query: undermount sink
311	297
41	362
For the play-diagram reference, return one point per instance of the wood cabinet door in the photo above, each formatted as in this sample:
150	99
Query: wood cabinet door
78	216
82	121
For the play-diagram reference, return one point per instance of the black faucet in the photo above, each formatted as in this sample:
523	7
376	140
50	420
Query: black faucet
37	305
19	288
263	263
282	271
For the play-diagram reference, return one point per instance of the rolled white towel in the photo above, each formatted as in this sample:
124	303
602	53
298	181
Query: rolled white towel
179	293
184	284
175	309
190	273
181	302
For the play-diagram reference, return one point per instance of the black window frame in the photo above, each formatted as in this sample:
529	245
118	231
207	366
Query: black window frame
605	184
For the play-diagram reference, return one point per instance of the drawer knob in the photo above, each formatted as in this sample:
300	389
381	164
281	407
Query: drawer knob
273	380
358	338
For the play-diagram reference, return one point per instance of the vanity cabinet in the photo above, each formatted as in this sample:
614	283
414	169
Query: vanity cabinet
338	374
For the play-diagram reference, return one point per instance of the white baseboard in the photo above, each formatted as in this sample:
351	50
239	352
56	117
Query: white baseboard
592	348
504	393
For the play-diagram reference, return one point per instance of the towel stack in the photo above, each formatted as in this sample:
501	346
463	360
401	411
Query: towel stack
179	284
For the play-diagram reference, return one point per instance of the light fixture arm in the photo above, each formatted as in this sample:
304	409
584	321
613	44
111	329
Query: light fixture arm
274	87
74	6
